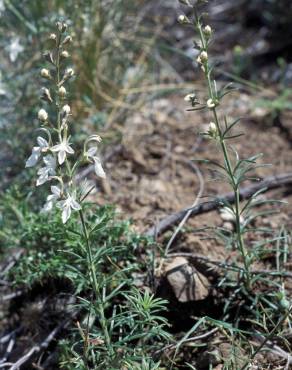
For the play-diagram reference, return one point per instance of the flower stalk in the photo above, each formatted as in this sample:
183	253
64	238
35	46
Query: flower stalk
217	133
61	163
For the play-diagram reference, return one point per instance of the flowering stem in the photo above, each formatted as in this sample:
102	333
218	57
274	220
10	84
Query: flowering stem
227	162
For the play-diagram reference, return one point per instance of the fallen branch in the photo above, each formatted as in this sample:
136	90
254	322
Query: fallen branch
268	183
229	266
37	348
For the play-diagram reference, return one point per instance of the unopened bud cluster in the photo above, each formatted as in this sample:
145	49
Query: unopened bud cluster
203	60
55	149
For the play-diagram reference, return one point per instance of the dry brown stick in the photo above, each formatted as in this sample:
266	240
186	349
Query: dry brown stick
268	183
35	349
229	266
38	347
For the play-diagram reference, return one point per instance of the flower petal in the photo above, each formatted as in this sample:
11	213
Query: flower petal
56	148
34	157
75	205
61	156
68	149
55	190
98	168
66	213
42	142
48	206
42	179
50	161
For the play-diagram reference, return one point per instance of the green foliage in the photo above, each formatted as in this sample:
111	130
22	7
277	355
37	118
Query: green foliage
52	251
47	244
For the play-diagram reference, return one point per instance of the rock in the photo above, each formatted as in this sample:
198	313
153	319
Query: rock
187	283
228	226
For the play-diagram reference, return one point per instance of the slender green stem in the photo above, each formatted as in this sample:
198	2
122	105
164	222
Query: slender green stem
95	285
240	241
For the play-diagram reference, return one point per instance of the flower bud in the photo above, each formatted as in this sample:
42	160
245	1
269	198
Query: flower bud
210	103
185	2
64	54
42	115
203	57
66	109
207	31
212	129
67	40
182	19
61	26
62	92
49	57
69	72
46	95
190	97
45	73
53	37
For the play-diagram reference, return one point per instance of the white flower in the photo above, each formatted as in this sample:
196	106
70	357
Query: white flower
210	103
66	206
46	172
36	152
42	115
51	199
97	162
63	148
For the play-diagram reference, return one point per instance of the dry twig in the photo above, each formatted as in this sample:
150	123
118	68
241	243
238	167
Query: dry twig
268	183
